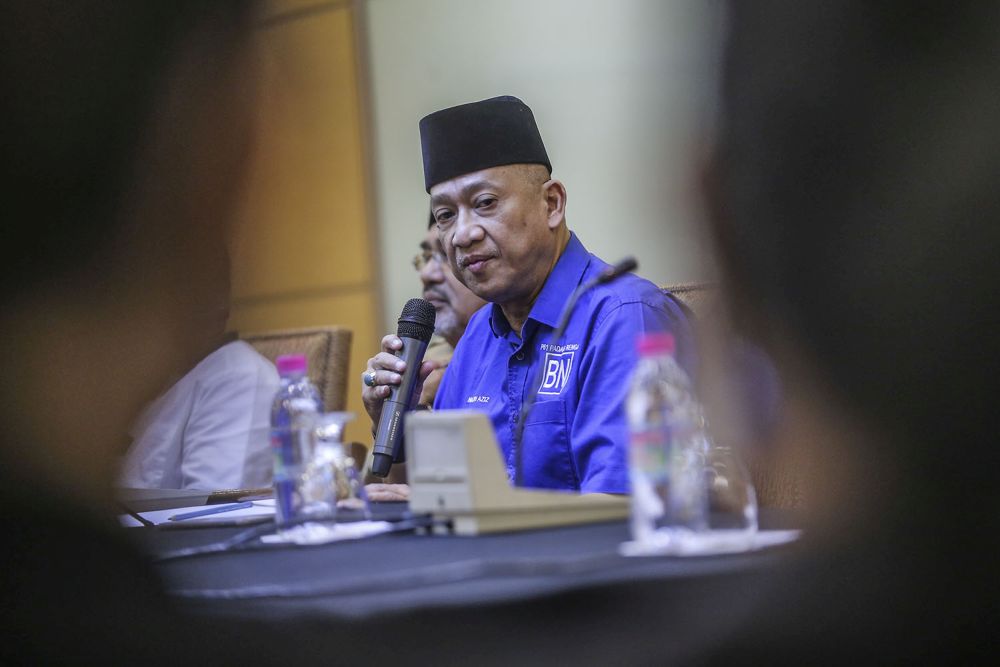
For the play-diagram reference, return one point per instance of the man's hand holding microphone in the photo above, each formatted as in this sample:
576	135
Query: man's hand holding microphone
392	385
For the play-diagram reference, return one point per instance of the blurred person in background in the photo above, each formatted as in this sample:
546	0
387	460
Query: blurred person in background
454	304
211	429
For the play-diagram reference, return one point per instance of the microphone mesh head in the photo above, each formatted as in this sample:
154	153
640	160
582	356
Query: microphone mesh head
417	320
626	265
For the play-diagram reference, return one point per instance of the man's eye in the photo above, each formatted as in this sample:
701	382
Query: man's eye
442	217
486	202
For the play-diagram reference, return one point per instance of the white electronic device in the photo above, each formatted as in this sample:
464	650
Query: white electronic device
455	473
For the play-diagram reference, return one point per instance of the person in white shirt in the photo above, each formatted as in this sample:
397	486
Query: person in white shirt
211	429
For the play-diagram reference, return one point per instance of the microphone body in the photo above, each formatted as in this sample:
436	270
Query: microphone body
613	271
416	324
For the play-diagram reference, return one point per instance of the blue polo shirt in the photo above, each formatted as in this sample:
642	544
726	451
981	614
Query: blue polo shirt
576	435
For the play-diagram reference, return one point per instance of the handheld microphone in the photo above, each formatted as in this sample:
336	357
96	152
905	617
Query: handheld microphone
414	328
606	276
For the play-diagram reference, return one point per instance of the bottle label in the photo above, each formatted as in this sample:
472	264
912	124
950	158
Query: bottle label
667	474
649	451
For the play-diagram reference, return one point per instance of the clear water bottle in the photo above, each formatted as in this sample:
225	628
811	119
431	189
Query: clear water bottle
293	417
667	446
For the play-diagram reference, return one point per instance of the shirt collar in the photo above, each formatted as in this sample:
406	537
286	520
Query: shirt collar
565	277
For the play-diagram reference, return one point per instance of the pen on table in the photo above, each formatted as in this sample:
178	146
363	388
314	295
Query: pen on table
135	515
217	509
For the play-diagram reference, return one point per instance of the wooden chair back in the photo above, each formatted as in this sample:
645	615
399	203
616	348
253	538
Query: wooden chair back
328	350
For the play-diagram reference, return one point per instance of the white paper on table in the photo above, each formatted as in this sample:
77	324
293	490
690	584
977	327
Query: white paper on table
260	509
684	542
322	533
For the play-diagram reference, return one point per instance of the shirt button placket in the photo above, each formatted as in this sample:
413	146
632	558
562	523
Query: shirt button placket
514	405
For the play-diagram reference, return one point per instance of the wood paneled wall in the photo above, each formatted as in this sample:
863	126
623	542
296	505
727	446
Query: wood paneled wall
304	239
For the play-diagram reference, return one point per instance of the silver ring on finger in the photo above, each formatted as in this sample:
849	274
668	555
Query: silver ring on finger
368	377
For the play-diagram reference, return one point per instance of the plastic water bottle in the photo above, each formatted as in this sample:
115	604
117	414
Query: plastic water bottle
293	415
667	444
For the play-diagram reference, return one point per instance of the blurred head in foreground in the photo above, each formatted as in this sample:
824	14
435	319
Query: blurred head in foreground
125	129
855	208
858	217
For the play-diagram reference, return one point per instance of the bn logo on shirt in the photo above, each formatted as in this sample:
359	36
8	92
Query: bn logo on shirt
555	372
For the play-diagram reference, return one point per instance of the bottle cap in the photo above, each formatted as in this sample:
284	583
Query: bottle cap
655	343
291	364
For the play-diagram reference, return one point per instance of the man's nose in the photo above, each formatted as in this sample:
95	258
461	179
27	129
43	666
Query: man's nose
432	273
467	229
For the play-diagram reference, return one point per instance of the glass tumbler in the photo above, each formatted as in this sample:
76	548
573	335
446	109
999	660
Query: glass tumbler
325	478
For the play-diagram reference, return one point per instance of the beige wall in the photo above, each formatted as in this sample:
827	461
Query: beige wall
302	246
618	87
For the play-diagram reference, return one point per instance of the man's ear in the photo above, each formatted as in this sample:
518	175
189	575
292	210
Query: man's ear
554	193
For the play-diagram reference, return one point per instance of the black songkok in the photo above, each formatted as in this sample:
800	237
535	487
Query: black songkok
479	135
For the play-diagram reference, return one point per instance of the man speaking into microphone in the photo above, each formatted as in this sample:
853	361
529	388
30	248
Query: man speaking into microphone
501	221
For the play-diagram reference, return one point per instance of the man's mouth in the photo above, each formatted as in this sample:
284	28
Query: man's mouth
437	299
474	263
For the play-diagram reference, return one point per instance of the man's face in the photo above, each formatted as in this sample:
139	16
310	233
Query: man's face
452	300
498	232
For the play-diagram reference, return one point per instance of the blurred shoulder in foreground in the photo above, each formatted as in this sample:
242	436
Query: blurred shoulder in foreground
854	208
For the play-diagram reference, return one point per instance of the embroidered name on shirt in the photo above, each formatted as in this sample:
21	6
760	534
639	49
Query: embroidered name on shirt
478	399
556	369
568	347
